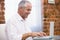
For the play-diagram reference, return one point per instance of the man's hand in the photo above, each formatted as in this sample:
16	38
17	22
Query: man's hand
33	34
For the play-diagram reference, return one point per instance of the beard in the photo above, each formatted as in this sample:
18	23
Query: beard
25	16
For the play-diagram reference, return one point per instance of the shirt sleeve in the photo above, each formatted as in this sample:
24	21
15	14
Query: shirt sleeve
11	32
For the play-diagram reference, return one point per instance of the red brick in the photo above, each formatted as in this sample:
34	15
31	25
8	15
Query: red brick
2	9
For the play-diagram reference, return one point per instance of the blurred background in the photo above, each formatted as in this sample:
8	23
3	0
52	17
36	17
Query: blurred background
45	16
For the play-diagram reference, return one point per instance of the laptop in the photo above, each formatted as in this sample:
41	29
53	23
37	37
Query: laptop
44	38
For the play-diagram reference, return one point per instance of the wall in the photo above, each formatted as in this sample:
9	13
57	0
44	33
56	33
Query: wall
2	32
51	13
2	18
34	19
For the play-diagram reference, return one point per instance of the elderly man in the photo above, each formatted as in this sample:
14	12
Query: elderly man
16	28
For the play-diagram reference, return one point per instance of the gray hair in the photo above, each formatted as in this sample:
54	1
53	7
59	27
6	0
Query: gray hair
22	3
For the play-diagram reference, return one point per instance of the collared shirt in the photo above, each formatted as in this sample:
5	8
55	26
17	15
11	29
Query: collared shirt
16	27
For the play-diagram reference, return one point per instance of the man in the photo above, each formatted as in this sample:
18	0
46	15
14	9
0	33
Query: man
16	28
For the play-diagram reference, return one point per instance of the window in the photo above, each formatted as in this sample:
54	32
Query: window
34	19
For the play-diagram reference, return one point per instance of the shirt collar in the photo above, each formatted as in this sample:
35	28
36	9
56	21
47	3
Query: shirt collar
19	17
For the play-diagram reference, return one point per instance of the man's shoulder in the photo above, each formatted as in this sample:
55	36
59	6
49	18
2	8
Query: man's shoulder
11	19
14	19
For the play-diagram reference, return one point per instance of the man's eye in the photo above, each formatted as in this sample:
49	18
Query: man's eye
29	9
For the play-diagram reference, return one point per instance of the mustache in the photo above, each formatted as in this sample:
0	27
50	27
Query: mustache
27	13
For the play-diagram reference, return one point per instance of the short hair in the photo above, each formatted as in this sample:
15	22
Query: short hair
22	3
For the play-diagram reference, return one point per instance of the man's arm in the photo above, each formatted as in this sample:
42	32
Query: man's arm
33	34
11	32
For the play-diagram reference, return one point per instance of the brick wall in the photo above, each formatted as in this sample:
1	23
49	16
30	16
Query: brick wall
51	13
2	19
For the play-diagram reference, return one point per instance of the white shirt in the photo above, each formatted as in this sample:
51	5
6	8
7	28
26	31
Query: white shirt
16	27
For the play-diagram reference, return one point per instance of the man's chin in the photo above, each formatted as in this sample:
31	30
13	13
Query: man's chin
26	17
